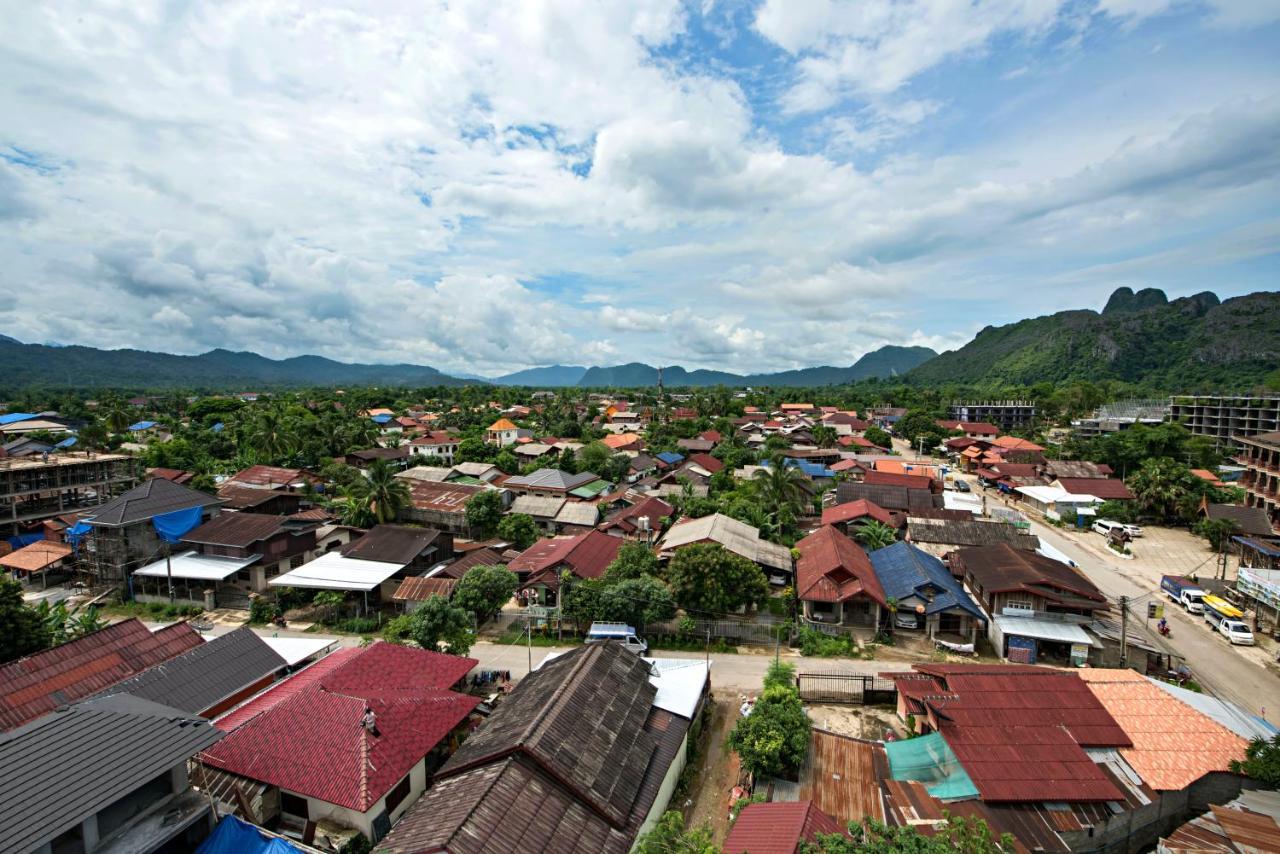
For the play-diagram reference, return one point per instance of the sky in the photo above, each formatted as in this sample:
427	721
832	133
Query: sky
489	186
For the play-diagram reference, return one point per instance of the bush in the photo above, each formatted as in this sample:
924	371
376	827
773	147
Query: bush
815	644
398	629
357	625
261	610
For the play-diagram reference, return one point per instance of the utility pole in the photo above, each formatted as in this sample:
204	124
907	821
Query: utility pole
708	645
528	623
168	569
1124	631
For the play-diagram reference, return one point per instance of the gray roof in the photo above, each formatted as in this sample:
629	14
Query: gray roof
968	533
550	479
202	677
538	506
1251	520
148	499
897	498
71	763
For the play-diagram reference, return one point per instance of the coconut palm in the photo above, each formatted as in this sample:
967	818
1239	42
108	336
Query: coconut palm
117	417
876	535
271	434
781	490
354	511
1160	486
384	493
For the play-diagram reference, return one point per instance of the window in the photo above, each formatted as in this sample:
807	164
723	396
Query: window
242	575
295	561
396	796
1020	604
293	805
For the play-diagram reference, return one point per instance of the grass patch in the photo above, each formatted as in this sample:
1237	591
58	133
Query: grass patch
515	634
689	644
155	611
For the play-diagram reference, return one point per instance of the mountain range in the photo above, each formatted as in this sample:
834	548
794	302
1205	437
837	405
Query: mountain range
1196	343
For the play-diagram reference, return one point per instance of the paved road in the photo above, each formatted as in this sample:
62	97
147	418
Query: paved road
1229	673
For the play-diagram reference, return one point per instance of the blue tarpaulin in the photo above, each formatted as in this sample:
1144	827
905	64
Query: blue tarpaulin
76	533
234	836
141	425
22	540
171	526
381	419
217	428
15	417
66	443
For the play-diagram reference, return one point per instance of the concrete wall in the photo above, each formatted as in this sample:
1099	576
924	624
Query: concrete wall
669	783
363	821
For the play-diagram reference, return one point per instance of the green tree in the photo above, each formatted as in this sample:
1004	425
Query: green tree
580	599
385	495
1261	761
271	436
474	451
354	511
774	738
594	457
960	834
878	437
1217	531
85	624
519	529
328	601
441	626
781	489
507	462
876	535
824	436
1161	486
635	559
918	424
707	578
483	590
669	836
22	631
484	512
780	673
118	417
636	601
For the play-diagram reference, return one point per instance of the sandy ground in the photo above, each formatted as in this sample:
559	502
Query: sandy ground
715	774
869	722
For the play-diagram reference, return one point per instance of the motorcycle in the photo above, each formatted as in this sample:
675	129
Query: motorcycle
1164	630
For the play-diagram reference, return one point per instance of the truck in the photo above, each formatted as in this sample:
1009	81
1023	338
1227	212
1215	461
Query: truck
1217	609
1183	592
617	633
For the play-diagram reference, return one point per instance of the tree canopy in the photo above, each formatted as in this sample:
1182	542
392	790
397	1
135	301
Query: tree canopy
483	590
708	578
484	512
440	626
774	739
22	631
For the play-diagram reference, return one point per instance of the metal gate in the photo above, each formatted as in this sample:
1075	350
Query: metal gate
852	688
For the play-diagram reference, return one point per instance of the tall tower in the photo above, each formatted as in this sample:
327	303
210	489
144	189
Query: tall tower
659	385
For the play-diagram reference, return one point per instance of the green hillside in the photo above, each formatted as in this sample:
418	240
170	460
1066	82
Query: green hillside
1192	343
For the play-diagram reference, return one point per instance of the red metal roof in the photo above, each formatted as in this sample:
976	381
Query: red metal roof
279	692
40	683
833	568
855	510
313	743
587	554
910	481
778	827
707	461
1106	488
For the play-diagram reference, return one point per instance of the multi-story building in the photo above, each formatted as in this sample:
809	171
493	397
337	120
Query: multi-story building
1260	455
1227	417
41	487
1005	414
1121	415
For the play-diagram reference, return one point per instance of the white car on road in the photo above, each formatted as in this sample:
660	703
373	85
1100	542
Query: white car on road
1236	632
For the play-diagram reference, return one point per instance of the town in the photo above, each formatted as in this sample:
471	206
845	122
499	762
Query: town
655	619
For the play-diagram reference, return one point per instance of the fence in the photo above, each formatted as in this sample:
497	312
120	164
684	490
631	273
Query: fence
739	631
853	688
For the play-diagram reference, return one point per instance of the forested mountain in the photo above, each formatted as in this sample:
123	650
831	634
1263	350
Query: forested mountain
37	364
1187	344
552	376
885	362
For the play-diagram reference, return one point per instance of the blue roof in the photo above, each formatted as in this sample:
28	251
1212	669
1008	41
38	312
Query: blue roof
904	569
670	457
14	417
66	443
811	469
381	419
217	428
142	425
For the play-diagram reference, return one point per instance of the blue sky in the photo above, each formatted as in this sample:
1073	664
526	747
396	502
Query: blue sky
485	187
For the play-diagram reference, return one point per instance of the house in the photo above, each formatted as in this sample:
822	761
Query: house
1037	605
639	521
1209	478
397	458
940	537
412	592
438	504
581	758
122	529
895	499
440	444
779	827
972	429
738	537
42	556
382	717
835	582
920	584
906	481
274	477
1252	521
479	472
1105	488
1054	501
178	476
695	446
108	774
1054	469
208	679
623	442
41	682
1009	476
557	514
851	516
416	549
1013	443
274	543
502	433
539	567
548	482
271	502
1246	823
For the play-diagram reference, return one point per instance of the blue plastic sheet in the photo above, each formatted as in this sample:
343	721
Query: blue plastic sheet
171	526
66	443
22	540
141	425
235	836
218	428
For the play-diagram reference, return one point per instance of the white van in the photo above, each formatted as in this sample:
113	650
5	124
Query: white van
619	633
1106	526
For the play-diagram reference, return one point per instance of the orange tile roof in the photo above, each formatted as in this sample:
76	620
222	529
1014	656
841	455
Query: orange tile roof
502	424
1173	744
620	440
1013	443
899	467
36	556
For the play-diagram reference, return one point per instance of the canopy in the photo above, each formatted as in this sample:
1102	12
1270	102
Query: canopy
66	443
171	526
236	836
76	532
1046	630
332	571
930	760
196	566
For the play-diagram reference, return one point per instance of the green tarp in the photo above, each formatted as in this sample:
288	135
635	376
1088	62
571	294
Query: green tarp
928	759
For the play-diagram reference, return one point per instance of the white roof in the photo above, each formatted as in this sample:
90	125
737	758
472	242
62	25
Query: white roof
294	650
577	513
1046	550
680	683
332	571
538	506
1053	495
1049	630
433	473
196	566
952	500
1231	716
735	536
532	449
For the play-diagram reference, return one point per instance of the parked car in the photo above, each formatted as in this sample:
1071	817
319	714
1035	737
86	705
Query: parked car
1106	526
906	620
1131	529
617	633
1236	632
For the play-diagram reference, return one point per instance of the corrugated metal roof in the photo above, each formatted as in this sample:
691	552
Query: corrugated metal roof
905	570
1048	630
66	766
778	828
833	568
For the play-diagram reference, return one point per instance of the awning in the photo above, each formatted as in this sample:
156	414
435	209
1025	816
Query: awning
1046	630
332	571
196	566
294	650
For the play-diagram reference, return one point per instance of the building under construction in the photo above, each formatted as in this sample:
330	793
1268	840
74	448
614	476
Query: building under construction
41	487
1224	417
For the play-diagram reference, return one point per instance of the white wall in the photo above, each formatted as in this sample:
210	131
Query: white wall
363	821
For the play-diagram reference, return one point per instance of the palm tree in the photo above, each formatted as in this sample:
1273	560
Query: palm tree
781	490
117	417
86	623
384	493
1160	486
354	511
876	535
271	436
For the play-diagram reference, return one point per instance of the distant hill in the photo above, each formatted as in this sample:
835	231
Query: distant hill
1187	344
886	362
38	364
551	377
